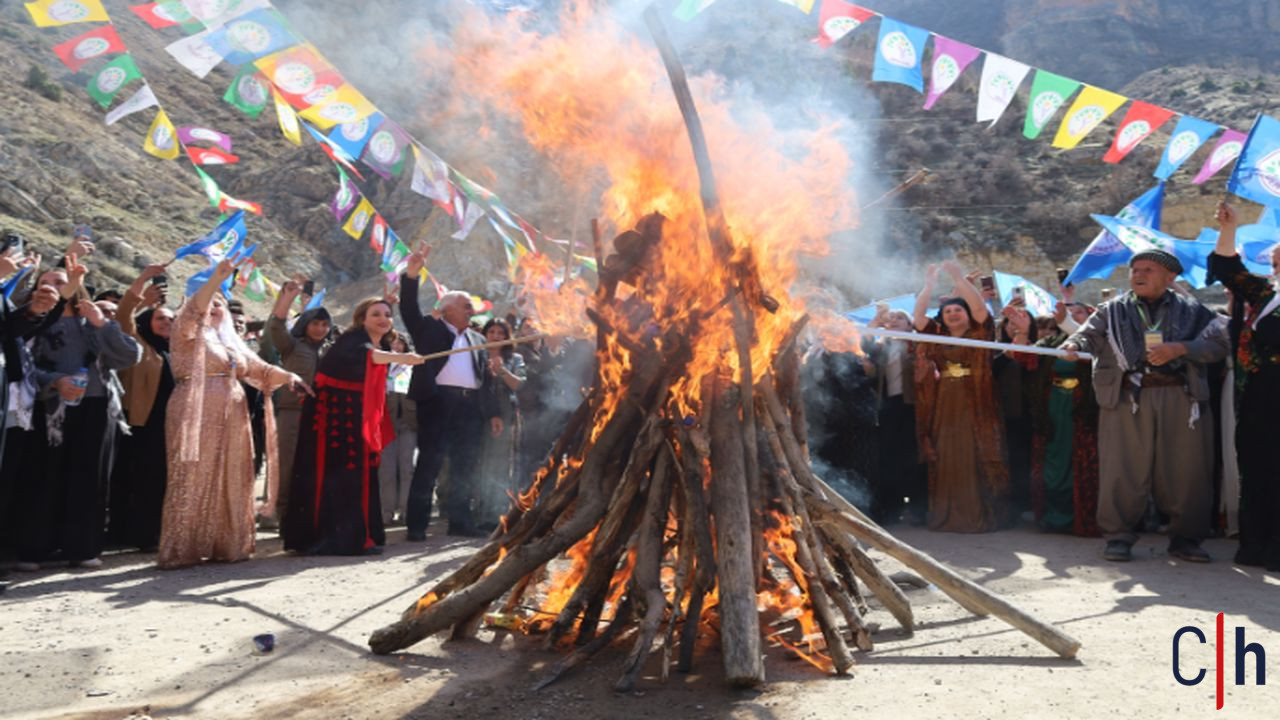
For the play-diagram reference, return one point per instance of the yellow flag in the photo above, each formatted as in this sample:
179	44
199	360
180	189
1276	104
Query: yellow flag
346	105
359	219
162	140
288	119
1091	107
52	13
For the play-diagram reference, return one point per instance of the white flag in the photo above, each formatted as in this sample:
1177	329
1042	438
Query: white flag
1000	80
430	175
215	13
194	54
472	214
140	100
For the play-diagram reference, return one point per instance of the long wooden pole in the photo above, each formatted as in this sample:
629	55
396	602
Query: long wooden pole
969	342
486	346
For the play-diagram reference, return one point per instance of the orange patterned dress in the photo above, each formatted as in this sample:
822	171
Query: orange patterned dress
209	500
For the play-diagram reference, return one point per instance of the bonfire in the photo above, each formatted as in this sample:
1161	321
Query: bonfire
678	509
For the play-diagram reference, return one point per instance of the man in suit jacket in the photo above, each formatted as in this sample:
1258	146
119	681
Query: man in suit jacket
452	401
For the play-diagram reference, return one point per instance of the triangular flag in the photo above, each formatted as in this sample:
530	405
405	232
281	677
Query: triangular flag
837	18
288	119
52	13
195	54
211	156
950	58
359	220
1187	137
248	92
1092	106
210	186
900	54
1256	176
218	242
161	141
96	43
111	79
1048	93
1193	255
255	288
1000	80
140	100
470	216
1223	154
1139	122
1037	300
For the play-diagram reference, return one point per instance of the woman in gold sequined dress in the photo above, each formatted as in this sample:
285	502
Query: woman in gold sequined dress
208	503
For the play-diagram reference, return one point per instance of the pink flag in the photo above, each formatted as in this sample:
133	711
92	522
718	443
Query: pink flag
950	58
838	18
196	135
1224	153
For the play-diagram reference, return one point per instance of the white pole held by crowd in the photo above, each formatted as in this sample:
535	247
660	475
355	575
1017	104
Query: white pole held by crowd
969	342
487	346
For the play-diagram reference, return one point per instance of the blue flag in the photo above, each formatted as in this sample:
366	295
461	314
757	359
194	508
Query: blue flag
1254	243
197	281
316	300
1256	176
12	283
1270	216
1187	137
1106	252
900	54
220	242
252	35
353	136
867	313
1193	254
1038	300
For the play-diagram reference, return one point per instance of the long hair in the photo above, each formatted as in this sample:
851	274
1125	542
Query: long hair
507	351
361	311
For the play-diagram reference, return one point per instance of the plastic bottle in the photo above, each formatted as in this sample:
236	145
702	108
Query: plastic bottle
80	380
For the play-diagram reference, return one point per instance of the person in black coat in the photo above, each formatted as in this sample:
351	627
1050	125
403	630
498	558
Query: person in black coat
453	401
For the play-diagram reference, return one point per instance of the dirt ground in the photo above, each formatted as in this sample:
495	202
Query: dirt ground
129	639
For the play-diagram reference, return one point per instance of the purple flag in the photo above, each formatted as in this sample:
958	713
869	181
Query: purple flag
385	152
1224	153
195	135
950	58
346	197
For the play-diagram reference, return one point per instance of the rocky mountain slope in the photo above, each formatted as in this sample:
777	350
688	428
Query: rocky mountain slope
995	198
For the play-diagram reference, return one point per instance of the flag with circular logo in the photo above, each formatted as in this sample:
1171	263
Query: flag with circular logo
378	233
346	105
211	156
385	151
360	219
900	54
1223	154
1048	93
301	75
1001	77
161	140
345	198
111	79
1257	173
199	135
248	92
1092	106
195	54
140	100
288	120
352	137
950	58
1139	122
1188	135
52	13
838	18
163	14
252	35
94	44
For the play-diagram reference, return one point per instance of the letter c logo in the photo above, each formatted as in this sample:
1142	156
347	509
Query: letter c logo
1176	636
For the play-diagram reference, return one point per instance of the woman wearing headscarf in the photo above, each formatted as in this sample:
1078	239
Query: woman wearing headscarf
334	504
208	503
958	422
138	482
1255	330
299	348
498	460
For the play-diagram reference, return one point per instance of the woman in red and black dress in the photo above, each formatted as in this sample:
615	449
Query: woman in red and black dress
334	507
1256	335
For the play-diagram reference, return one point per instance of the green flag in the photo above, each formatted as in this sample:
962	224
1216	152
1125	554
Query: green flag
256	289
210	187
112	78
248	92
1048	93
391	260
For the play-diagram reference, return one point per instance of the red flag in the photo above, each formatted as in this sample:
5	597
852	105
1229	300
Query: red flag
227	203
301	75
96	43
837	19
1141	120
378	233
211	156
154	14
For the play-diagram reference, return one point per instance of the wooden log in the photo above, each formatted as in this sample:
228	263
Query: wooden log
946	579
685	551
650	601
866	570
735	568
704	575
584	653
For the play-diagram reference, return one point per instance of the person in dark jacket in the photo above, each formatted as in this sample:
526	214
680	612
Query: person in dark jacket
454	404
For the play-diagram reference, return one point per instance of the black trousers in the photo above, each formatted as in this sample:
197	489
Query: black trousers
901	474
62	497
1259	473
450	425
16	469
1018	433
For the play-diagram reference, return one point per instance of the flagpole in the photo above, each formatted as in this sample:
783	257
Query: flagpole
487	346
969	342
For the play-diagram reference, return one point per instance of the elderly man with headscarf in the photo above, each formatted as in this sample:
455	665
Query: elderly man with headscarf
1151	346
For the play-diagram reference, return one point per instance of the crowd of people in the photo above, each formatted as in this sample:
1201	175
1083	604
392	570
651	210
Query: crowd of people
128	424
